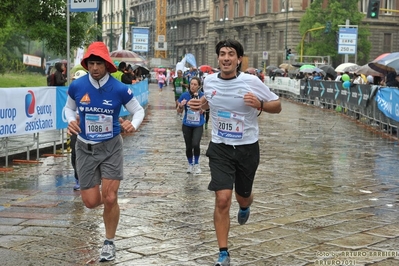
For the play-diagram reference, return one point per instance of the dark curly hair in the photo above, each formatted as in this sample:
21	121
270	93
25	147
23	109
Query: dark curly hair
236	45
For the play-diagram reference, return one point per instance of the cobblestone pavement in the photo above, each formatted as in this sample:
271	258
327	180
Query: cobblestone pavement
326	193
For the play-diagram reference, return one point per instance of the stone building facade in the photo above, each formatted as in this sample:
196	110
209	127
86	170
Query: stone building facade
271	26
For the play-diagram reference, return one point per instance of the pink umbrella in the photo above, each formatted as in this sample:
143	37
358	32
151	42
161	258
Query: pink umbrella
126	56
381	56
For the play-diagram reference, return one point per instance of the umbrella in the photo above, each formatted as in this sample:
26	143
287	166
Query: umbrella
298	64
271	68
351	69
251	70
381	56
206	68
329	70
278	71
142	69
307	68
286	66
368	71
126	56
321	71
161	70
390	63
76	68
342	66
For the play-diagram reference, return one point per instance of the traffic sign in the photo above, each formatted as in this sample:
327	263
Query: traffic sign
83	5
140	37
347	42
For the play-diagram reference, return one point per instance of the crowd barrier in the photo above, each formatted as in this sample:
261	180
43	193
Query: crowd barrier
370	104
34	117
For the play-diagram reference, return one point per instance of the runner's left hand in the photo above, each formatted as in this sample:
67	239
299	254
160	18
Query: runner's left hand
250	99
126	125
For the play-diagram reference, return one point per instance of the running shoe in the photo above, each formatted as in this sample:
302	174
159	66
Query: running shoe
108	251
224	259
76	187
243	216
190	169
197	169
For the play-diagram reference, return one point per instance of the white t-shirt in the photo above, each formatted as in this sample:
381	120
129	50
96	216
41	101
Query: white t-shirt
234	123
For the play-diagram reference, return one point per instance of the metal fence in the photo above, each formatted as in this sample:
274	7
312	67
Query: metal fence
32	142
357	102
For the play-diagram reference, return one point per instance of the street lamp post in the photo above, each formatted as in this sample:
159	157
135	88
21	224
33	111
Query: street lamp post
224	27
286	9
173	31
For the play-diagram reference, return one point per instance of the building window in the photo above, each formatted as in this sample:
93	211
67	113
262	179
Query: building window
255	61
236	9
203	56
226	12
246	8
216	13
257	7
269	6
388	4
281	39
387	46
268	38
256	47
363	6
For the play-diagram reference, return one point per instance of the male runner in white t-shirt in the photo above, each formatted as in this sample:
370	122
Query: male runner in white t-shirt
234	99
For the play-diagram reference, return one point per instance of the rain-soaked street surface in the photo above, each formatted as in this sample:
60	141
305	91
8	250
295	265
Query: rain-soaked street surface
326	193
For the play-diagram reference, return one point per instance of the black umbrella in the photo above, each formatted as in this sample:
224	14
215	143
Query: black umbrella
329	70
298	64
144	70
278	71
271	68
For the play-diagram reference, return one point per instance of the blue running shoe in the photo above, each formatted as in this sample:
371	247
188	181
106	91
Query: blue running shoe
224	259
76	186
108	251
243	216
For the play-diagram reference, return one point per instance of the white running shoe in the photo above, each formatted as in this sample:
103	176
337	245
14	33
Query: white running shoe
197	169
190	169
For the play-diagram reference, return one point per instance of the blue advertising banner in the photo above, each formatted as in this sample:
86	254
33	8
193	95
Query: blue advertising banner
388	102
60	99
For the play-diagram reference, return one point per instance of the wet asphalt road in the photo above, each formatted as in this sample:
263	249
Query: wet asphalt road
326	193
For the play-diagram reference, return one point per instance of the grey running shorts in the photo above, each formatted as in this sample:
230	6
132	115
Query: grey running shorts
97	161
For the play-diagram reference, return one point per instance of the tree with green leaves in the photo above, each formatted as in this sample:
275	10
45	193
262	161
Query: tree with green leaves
44	21
326	43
